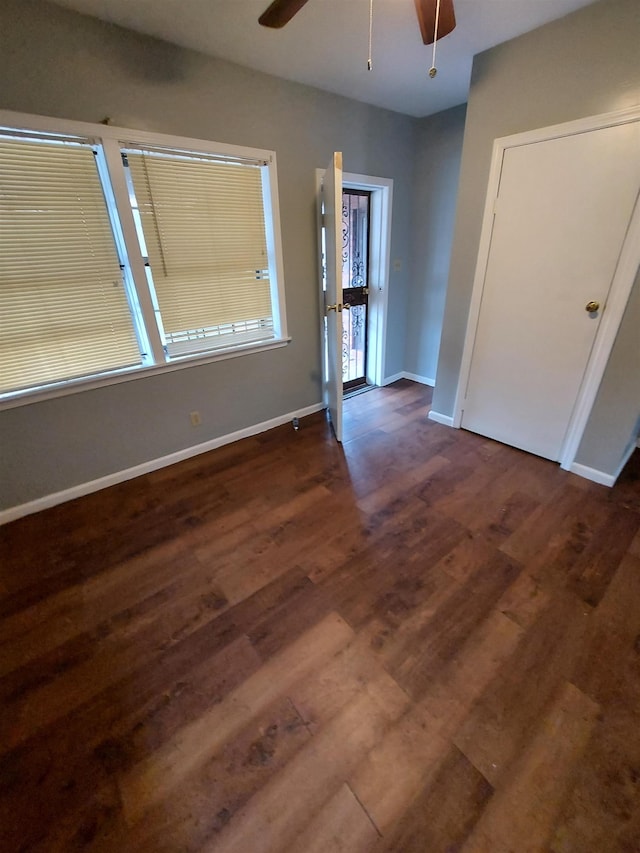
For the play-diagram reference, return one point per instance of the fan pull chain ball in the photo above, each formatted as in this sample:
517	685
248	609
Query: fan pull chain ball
433	70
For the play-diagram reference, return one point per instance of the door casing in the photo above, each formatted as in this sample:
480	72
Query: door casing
621	286
381	190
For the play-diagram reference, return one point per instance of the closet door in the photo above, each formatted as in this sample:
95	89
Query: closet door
561	217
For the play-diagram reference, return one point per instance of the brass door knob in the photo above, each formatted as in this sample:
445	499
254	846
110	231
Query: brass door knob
592	307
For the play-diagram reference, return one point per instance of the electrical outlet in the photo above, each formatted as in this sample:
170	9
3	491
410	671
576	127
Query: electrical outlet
195	419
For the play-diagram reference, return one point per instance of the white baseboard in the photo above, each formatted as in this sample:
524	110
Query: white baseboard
390	379
82	489
600	476
423	380
414	377
592	474
447	420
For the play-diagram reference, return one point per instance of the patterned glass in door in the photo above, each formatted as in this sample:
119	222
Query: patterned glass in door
355	286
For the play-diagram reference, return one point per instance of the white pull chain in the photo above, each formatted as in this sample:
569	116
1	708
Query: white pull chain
433	70
369	60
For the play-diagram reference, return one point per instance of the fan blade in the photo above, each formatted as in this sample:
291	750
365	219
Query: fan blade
426	10
280	13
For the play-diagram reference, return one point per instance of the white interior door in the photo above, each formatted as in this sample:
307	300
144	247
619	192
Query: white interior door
332	197
561	218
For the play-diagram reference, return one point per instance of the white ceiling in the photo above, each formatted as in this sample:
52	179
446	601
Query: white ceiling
326	44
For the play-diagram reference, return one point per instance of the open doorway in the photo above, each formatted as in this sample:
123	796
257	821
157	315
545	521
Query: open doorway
355	288
364	351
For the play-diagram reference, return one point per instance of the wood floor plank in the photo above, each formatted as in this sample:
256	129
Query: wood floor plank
380	498
441	637
118	727
264	555
195	814
524	600
459	686
523	810
369	581
314	774
512	705
333	686
418	640
342	826
601	811
398	767
165	769
84	828
49	687
556	524
444	813
596	566
613	634
304	608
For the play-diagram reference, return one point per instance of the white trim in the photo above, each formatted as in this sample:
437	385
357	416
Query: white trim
414	377
423	380
380	228
82	489
380	253
586	124
592	474
123	222
388	380
273	231
618	294
447	420
127	135
621	286
600	476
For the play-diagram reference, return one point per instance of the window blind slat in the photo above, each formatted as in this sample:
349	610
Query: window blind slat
204	228
63	308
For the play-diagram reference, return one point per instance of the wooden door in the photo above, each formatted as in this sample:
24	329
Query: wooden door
560	221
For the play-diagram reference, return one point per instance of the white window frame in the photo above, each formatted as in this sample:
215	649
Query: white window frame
112	140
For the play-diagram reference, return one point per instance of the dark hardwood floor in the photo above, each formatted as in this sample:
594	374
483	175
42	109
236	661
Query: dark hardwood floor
421	641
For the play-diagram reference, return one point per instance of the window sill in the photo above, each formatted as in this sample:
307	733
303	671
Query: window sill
77	386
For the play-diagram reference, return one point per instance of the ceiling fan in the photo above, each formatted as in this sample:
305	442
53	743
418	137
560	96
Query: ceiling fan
280	13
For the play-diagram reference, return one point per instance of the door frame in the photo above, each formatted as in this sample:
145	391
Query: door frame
621	285
380	212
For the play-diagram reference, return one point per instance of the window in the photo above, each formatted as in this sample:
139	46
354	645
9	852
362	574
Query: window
63	308
122	252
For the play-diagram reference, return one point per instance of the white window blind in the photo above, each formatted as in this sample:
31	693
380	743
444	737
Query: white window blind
64	311
204	227
121	251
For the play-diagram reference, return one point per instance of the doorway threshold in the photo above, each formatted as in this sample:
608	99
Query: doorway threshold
360	389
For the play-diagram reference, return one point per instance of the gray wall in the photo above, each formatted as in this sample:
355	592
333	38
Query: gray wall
584	64
55	62
438	154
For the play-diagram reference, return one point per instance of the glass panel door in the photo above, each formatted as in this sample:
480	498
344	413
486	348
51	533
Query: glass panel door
355	286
